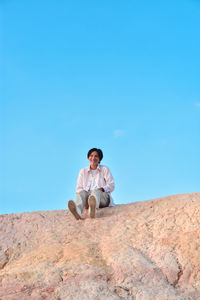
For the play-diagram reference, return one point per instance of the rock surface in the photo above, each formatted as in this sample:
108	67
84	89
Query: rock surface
144	250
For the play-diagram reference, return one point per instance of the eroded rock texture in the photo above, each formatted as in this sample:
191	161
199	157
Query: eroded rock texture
144	250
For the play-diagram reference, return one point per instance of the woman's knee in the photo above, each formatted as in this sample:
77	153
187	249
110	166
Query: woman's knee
96	192
82	193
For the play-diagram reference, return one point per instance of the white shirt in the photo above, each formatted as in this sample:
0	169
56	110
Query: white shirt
88	180
94	184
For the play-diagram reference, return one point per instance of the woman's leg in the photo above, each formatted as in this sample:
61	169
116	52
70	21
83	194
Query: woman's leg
97	199
77	208
81	200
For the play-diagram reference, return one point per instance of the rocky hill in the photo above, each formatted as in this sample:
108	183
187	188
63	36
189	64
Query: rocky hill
143	250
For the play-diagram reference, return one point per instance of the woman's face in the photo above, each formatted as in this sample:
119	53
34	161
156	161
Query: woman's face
94	160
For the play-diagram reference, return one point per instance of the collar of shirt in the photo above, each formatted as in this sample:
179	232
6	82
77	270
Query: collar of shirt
98	168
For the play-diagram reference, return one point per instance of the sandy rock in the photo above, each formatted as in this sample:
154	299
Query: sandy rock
3	259
142	251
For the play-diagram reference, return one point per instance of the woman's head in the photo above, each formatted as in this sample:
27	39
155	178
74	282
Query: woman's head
94	156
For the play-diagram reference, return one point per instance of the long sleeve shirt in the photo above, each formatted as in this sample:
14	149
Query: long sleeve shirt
103	179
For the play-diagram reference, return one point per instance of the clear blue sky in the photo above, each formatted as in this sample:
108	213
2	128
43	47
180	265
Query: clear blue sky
123	76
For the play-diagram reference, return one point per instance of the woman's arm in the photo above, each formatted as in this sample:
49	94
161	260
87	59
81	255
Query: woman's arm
109	186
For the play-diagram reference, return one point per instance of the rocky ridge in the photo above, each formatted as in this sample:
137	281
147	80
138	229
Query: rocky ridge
143	250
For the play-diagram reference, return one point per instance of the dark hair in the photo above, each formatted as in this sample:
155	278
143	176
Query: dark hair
100	153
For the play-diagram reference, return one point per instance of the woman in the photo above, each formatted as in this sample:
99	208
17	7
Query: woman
94	185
